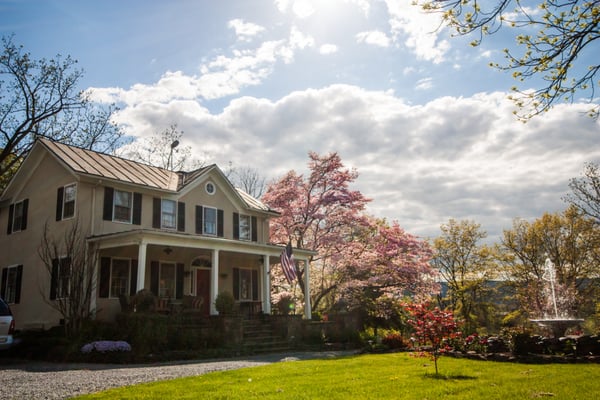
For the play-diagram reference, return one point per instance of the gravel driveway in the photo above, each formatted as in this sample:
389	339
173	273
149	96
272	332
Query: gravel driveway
38	380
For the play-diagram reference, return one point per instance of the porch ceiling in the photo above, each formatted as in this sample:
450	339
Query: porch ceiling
174	239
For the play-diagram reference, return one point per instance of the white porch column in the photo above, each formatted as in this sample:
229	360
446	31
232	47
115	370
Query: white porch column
214	282
307	306
266	286
141	275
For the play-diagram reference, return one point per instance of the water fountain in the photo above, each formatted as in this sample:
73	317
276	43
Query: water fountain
557	322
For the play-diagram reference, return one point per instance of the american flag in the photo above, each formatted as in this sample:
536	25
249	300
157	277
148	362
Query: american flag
287	263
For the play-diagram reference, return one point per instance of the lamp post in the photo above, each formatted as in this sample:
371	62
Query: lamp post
170	160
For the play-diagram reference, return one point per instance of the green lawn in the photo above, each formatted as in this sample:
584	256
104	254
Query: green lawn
388	376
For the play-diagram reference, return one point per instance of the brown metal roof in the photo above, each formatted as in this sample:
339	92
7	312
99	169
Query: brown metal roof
110	167
105	166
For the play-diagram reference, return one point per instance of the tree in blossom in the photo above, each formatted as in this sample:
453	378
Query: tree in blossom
358	256
433	329
318	212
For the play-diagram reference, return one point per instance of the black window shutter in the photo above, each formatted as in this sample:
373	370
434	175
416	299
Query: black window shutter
24	220
11	211
181	216
133	282
156	211
236	225
54	279
3	283
236	283
179	282
220	223
18	284
59	202
104	286
254	285
199	219
137	209
254	229
108	203
154	277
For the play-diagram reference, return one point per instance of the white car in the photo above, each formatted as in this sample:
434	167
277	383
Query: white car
7	326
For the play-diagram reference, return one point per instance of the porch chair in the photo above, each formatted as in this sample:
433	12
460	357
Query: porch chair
162	305
192	303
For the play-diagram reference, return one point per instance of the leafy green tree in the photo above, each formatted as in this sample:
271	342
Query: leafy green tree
557	42
571	241
40	98
466	266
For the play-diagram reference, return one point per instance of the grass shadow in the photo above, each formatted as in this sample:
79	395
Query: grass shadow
450	377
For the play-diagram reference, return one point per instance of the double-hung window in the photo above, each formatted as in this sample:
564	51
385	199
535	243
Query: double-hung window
168	214
167	280
70	194
245	227
119	277
17	216
61	278
11	281
210	221
123	204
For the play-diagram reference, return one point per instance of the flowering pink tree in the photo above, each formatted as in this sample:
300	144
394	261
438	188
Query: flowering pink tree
354	251
318	212
433	328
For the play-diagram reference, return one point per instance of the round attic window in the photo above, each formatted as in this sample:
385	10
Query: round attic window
210	188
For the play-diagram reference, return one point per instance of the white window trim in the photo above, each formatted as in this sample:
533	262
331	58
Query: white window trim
160	267
240	216
115	205
14	216
204	209
110	294
174	227
64	200
250	294
211	184
15	266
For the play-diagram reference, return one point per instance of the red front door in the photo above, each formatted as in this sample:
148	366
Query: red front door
203	288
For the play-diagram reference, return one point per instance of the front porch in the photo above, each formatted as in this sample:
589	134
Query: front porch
178	267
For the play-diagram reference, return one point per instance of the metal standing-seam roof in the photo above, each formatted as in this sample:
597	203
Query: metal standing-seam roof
105	166
111	167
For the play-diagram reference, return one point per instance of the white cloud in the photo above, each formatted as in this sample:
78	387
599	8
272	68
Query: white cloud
463	158
219	77
376	38
303	8
418	30
424	84
300	40
328	48
245	31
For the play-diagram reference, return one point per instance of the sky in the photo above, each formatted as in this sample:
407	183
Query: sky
415	110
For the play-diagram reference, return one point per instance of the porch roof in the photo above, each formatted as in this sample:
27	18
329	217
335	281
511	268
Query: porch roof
178	239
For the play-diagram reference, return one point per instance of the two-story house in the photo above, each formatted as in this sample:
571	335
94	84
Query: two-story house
174	233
